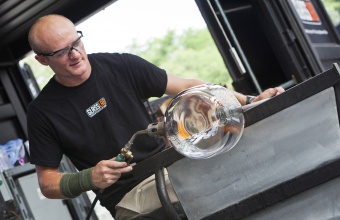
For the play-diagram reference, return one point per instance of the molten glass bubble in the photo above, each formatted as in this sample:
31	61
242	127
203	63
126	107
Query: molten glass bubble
204	121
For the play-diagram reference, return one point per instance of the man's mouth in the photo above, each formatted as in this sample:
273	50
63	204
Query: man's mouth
74	64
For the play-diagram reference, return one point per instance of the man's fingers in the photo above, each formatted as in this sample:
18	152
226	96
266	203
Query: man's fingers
269	93
107	172
279	90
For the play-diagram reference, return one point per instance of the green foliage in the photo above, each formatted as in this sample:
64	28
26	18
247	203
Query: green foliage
193	54
42	73
333	9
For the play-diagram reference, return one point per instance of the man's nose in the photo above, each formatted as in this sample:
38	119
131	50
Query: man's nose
71	49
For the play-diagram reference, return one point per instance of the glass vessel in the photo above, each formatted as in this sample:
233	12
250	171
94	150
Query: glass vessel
204	121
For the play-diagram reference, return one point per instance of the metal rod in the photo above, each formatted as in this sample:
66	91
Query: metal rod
239	62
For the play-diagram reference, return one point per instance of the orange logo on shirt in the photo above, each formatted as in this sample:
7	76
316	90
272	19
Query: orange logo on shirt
96	107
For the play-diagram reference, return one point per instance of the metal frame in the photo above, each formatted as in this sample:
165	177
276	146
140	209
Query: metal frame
11	175
329	78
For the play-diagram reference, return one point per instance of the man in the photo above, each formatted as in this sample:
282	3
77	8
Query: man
89	110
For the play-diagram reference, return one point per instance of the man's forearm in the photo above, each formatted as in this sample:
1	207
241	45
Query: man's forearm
56	185
49	181
73	184
240	97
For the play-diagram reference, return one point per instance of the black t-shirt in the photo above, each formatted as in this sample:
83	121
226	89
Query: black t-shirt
93	121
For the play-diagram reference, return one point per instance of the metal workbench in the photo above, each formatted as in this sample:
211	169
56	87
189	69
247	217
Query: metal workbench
285	166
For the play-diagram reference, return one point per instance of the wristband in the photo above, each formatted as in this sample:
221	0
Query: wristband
249	99
73	184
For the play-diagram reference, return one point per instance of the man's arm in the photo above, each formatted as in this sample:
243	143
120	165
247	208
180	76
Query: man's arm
268	93
177	84
49	182
104	174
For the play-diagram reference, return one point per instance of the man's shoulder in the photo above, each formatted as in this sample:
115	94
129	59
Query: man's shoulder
48	96
112	56
106	55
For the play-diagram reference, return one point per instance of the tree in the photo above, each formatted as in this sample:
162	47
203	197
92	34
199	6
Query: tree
41	73
333	9
192	54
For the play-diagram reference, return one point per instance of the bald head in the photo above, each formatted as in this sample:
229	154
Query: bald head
48	30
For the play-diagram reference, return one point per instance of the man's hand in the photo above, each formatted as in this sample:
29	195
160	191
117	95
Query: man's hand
268	93
107	172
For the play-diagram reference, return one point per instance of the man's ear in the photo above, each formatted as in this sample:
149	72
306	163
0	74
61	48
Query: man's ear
41	59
